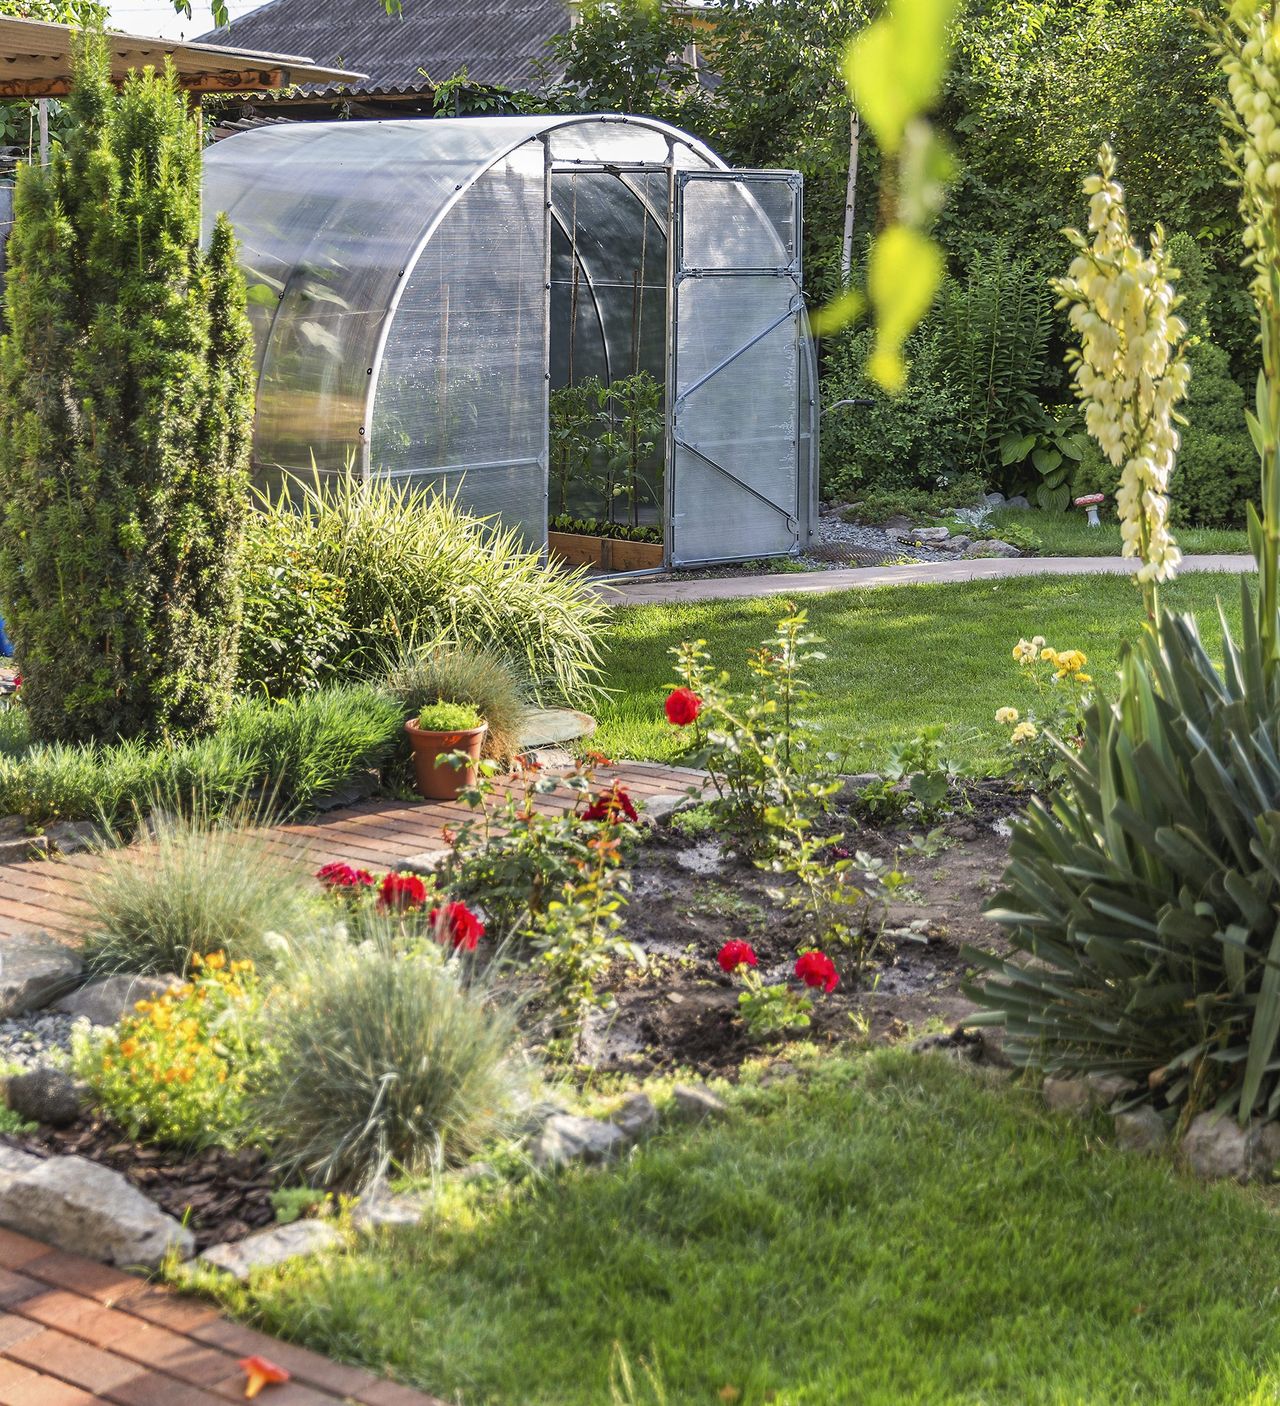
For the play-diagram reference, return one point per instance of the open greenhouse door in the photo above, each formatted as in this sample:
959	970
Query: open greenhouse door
738	409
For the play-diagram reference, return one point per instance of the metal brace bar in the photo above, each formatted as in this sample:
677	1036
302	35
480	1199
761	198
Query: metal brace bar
702	380
792	522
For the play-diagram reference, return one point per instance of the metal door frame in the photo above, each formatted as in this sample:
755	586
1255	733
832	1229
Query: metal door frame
797	513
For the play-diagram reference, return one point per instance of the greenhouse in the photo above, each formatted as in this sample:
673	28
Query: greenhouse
590	320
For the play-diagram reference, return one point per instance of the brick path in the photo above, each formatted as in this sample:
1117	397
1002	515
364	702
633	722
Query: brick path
44	894
802	583
73	1331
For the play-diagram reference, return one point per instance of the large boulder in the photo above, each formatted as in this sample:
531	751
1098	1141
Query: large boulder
110	1000
77	1205
44	1095
33	970
1217	1146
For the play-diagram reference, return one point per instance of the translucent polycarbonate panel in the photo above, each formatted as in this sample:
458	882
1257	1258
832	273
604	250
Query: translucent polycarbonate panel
614	140
808	433
737	477
731	225
461	383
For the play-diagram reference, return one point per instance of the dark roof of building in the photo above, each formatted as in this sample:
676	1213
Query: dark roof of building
501	43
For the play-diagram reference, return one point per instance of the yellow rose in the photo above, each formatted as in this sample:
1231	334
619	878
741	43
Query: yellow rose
1006	715
1024	732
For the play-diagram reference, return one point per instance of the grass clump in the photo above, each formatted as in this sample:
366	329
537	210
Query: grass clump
1068	534
448	717
455	675
418	569
889	1230
193	888
386	1056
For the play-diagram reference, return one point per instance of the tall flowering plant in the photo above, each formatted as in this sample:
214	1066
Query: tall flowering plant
1130	371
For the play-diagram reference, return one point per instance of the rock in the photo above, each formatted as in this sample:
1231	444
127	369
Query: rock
1018	501
14	1163
23	847
75	836
636	1117
272	1246
550	758
703	858
567	1138
473	1171
33	970
663	807
992	500
1141	1130
852	787
532	1117
425	863
896	523
1216	1146
45	1095
696	1102
1083	1094
991	547
77	1205
382	1209
957	544
965	1046
929	534
110	1000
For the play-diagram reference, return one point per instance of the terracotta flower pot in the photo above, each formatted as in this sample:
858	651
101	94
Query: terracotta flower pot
437	780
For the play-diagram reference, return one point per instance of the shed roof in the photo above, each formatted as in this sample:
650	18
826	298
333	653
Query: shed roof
501	43
35	62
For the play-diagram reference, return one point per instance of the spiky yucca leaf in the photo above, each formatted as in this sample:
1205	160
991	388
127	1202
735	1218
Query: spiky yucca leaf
1144	903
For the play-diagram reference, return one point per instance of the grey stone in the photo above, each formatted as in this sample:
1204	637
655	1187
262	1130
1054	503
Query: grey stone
532	1117
265	1248
958	544
965	1046
929	534
696	1102
425	863
637	1115
1017	501
44	1095
23	847
33	970
703	858
991	547
1216	1146
567	1138
550	758
107	1001
382	1210
852	787
1082	1094
993	500
1141	1130
663	807
75	836
77	1205
14	1163
1108	1088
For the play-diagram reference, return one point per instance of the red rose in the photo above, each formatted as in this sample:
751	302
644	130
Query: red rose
817	969
736	954
343	876
610	806
17	682
401	891
683	706
459	924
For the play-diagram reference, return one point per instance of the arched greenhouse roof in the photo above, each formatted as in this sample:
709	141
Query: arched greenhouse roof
334	221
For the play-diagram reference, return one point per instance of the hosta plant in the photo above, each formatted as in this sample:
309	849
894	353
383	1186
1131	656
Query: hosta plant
1146	895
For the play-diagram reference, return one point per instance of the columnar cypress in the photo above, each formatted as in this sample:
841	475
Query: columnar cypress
125	414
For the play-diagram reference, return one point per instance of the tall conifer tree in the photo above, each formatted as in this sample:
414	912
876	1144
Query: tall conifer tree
125	420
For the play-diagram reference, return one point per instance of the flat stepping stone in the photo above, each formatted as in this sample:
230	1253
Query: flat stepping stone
552	727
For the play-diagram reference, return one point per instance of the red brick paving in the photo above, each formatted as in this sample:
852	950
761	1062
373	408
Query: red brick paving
72	1331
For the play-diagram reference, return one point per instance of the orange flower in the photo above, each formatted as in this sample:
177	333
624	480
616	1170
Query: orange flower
215	961
128	1048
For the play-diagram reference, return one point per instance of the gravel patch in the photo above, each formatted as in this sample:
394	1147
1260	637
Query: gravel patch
860	538
43	1037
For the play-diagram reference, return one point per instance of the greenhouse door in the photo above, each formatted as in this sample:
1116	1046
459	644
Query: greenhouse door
735	485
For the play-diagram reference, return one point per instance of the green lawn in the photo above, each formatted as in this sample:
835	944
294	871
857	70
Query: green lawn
896	1231
898	657
1069	535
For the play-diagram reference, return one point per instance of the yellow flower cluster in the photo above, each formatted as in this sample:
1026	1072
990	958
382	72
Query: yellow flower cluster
1067	662
176	1067
1130	369
1024	732
1251	63
1028	651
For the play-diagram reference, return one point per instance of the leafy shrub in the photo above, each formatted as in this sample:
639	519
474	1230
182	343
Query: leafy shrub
1057	690
125	407
993	344
418	571
385	1057
294	635
910	441
476	676
1146	894
180	1069
878	505
448	717
192	888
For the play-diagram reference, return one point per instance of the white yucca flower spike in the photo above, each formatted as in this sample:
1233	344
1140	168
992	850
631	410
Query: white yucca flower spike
1130	371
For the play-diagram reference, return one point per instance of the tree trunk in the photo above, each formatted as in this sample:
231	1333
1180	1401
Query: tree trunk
850	199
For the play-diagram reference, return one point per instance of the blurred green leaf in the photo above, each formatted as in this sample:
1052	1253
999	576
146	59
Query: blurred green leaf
903	276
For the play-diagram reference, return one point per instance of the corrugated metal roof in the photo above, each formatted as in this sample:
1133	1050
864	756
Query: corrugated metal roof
500	43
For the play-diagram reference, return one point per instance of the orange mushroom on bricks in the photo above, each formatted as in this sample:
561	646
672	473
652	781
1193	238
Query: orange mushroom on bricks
1090	502
260	1372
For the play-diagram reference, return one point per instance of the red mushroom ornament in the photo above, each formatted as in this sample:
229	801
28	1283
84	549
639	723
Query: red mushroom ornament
259	1373
1090	502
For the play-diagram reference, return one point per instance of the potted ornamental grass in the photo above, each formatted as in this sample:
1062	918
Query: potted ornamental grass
437	734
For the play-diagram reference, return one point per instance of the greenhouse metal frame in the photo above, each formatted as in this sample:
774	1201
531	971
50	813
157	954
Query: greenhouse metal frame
418	288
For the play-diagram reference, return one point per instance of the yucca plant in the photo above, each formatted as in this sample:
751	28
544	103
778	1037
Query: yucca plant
1143	903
